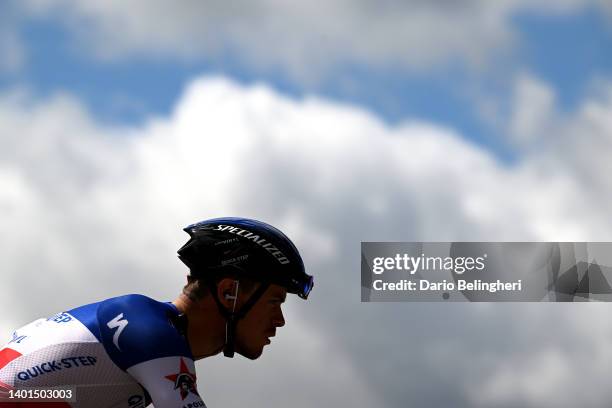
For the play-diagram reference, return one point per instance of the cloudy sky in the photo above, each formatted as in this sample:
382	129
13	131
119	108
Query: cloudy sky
122	122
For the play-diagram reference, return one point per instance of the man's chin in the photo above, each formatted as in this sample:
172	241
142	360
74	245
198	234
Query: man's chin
250	354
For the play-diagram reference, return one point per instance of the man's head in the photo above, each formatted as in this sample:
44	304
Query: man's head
254	330
229	256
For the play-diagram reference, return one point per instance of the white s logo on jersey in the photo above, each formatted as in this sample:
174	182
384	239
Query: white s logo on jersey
120	325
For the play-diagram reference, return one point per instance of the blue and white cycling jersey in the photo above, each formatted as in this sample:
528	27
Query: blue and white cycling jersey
126	351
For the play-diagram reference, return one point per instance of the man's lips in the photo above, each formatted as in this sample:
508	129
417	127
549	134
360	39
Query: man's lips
268	335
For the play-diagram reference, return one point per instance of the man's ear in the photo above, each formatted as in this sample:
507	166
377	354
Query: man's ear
227	291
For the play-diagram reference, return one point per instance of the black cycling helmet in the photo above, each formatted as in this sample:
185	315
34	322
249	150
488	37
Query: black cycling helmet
243	247
247	248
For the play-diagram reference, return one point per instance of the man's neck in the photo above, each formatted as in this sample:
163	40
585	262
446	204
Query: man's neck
183	303
205	326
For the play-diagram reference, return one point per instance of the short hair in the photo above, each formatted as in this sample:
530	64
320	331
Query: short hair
198	289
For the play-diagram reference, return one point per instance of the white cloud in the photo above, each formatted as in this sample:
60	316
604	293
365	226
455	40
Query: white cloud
301	38
534	104
561	358
575	143
94	211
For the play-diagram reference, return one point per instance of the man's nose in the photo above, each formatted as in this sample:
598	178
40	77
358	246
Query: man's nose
279	320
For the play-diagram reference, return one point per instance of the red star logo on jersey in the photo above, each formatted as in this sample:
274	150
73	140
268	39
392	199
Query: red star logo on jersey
184	381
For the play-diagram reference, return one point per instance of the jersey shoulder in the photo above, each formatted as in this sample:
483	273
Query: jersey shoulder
135	328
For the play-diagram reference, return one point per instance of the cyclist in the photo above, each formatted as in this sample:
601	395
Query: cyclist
131	350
